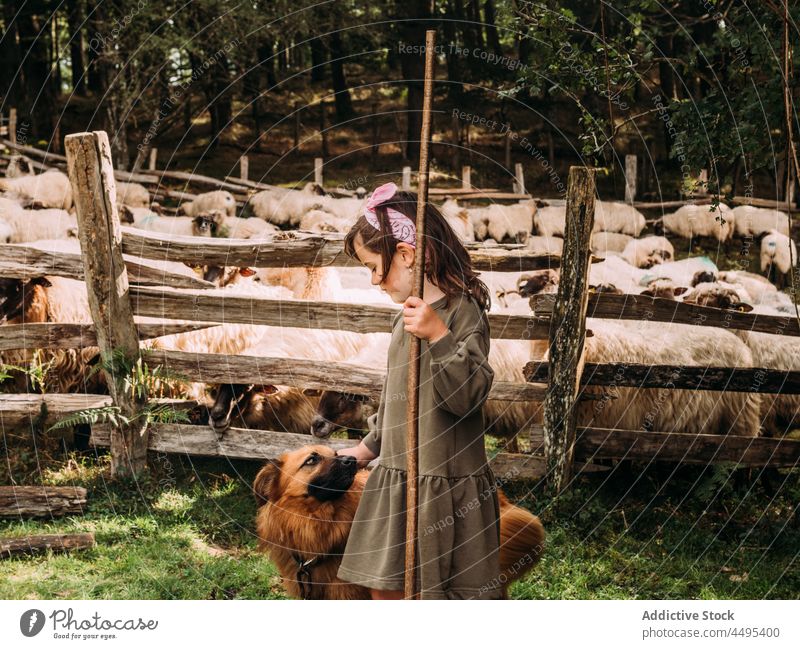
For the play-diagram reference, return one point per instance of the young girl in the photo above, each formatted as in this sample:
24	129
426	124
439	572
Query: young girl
458	517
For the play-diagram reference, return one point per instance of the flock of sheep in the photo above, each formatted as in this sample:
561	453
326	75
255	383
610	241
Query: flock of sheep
37	210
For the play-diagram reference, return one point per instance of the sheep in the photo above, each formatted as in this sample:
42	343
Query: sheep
691	221
144	219
459	220
609	216
604	243
132	195
203	203
19	165
321	221
51	299
649	251
613	216
778	255
21	225
284	207
239	228
618	272
680	272
512	223
753	221
51	189
545	245
346	209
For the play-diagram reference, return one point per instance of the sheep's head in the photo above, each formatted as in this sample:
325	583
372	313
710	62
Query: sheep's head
17	297
203	226
703	277
541	281
337	410
664	288
717	296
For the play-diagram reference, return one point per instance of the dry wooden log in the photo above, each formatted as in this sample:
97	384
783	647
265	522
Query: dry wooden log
54	335
361	318
23	262
567	339
93	188
727	379
343	377
302	249
643	307
34	501
247	444
772	204
12	546
594	443
21	409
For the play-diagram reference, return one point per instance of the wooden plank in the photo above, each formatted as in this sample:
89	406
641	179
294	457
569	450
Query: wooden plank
643	307
727	379
24	262
770	203
300	250
249	444
55	335
37	501
567	339
303	373
594	443
508	467
206	306
34	544
24	409
198	179
630	178
29	150
93	188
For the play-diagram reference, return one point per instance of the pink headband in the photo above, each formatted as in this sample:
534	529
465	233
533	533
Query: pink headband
403	228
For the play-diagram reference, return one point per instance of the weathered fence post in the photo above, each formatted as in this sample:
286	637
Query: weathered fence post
466	177
153	158
92	176
519	179
12	125
244	167
630	178
568	329
405	184
318	163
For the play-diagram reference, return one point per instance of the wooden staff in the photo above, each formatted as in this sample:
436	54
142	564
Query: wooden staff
412	410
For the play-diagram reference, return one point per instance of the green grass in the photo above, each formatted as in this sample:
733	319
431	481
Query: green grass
187	533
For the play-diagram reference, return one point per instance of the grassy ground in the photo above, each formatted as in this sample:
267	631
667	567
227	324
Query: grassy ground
187	532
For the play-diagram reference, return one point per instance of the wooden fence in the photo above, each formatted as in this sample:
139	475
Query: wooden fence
123	284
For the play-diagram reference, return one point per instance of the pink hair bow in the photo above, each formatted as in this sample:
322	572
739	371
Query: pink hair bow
403	228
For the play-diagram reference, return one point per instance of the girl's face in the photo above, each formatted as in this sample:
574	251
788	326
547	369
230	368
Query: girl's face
398	282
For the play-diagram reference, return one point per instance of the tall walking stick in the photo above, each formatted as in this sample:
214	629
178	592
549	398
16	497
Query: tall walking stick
412	410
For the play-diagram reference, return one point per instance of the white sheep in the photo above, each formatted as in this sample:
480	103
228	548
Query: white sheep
753	221
347	209
648	251
545	245
550	221
760	289
681	272
239	228
778	255
218	200
132	194
145	219
458	219
51	189
29	225
614	216
609	242
284	207
322	222
691	221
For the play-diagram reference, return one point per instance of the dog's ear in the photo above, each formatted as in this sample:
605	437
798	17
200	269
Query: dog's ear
265	486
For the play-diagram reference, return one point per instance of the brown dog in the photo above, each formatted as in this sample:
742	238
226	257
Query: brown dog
307	501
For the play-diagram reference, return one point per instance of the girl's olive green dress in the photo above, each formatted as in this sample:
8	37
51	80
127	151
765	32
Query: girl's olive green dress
458	523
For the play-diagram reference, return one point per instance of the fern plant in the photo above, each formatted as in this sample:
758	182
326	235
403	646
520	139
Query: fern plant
137	379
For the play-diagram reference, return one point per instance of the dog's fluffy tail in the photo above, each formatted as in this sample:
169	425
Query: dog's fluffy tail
521	540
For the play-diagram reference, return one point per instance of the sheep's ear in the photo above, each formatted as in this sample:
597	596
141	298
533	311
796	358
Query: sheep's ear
312	392
679	290
265	486
125	214
247	272
266	389
742	307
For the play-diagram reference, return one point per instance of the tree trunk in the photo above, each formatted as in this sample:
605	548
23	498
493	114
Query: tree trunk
317	59
77	45
344	106
455	87
412	31
493	40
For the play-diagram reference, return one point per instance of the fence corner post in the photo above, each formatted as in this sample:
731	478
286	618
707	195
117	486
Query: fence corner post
568	329
92	176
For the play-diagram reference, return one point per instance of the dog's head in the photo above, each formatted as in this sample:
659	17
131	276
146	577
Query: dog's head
314	472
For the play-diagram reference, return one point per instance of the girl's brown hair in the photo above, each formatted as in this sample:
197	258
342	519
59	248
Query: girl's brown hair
447	264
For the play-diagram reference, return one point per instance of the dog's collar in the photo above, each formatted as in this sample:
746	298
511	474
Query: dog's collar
304	567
